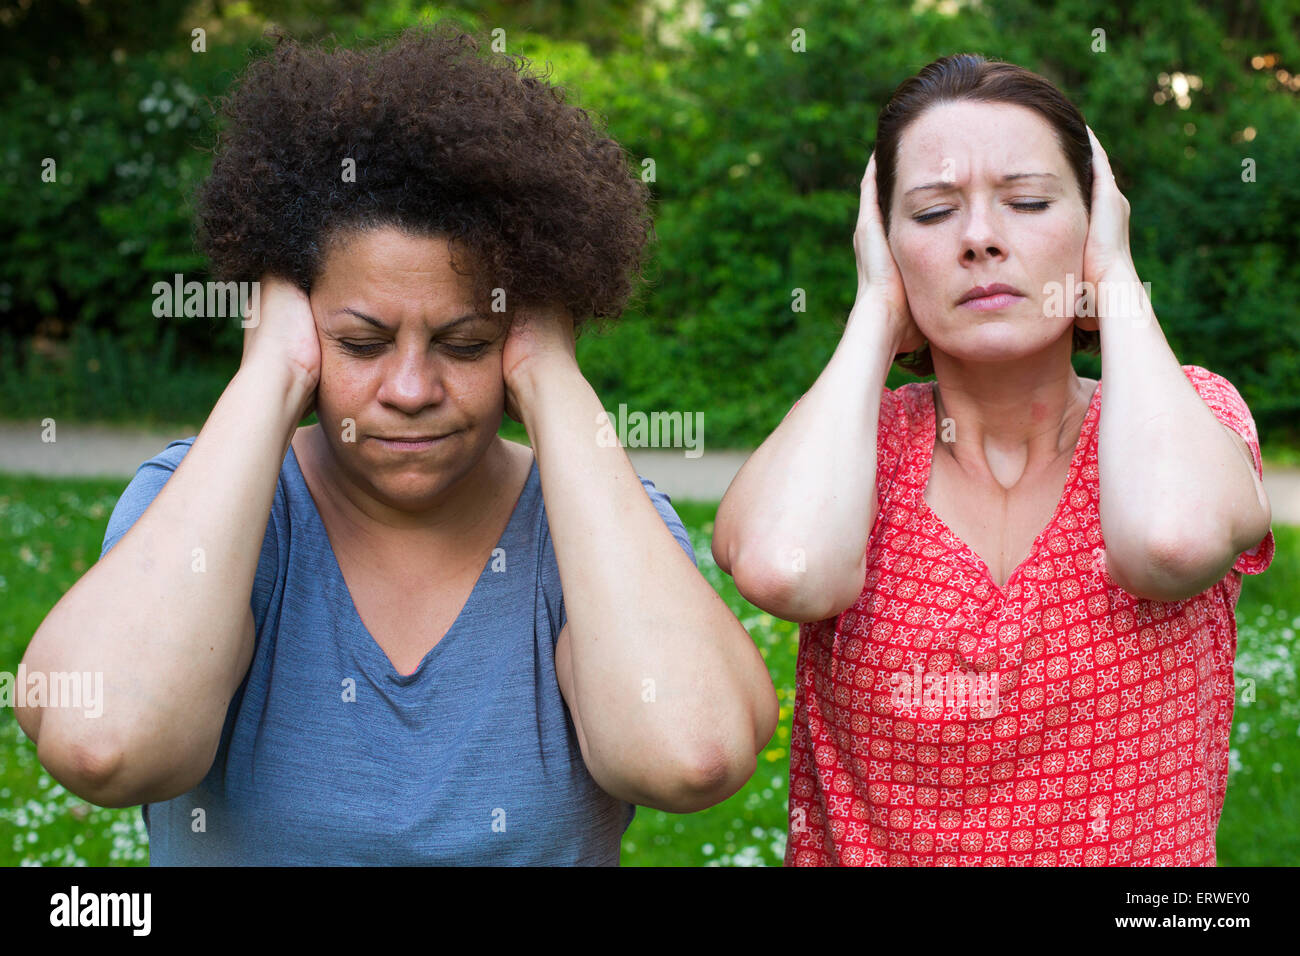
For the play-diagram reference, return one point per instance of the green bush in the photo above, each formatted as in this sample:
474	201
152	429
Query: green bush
757	152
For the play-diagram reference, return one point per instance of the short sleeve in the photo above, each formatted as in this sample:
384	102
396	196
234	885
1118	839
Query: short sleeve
1228	406
551	585
891	432
149	480
663	504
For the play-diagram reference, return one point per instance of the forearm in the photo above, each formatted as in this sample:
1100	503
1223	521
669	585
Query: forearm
667	682
1175	492
792	529
163	623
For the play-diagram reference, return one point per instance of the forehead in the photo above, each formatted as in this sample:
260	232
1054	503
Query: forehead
387	265
968	138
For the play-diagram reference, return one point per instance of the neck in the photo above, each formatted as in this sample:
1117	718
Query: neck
1009	418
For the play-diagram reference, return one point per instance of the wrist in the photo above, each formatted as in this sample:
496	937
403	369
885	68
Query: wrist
282	387
1120	296
541	383
872	319
1123	271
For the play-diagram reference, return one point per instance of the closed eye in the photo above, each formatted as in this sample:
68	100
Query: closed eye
1037	206
467	351
459	351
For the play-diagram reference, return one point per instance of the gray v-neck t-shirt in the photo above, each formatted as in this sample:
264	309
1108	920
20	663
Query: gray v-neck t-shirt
328	756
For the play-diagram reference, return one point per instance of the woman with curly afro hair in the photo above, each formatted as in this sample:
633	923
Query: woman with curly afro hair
394	636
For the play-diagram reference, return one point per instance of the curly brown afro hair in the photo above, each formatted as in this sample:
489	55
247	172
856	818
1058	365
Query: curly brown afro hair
447	140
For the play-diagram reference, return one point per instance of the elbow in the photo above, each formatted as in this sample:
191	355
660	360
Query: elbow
1171	567
91	771
712	753
721	549
721	768
103	768
714	775
721	762
677	777
787	590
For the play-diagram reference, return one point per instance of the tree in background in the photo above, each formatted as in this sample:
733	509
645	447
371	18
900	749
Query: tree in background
751	121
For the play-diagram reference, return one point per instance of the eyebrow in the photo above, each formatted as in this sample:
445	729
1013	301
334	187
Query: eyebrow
1010	177
388	328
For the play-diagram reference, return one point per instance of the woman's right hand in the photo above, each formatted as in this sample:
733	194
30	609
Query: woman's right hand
878	275
282	334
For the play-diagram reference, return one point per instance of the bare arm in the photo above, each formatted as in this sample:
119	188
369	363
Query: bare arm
171	643
1180	498
792	529
671	699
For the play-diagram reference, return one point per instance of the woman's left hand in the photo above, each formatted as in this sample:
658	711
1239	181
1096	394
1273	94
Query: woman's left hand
540	340
1106	254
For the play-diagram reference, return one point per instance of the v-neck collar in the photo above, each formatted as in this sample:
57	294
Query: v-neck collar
925	453
369	646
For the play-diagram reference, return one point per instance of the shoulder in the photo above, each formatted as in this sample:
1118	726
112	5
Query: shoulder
662	504
1222	398
170	456
143	488
904	411
1219	393
911	401
520	451
522	465
1216	390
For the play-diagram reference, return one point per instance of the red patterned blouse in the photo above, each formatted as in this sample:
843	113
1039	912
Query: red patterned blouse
1056	721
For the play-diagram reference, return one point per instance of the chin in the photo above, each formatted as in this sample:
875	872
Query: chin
412	496
415	486
1001	342
429	470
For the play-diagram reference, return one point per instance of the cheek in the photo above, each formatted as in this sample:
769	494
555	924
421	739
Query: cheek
344	387
915	259
489	386
339	377
477	385
1061	241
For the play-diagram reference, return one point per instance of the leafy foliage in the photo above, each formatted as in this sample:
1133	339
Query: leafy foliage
758	119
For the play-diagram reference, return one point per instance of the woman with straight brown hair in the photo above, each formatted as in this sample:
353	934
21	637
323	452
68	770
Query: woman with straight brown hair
1016	596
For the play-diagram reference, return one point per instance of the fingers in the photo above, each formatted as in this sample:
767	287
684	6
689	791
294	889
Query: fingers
1100	161
868	206
543	314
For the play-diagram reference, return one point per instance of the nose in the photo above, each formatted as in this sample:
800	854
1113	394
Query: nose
413	380
980	239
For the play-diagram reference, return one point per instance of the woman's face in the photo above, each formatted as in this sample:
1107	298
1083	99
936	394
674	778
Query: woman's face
959	220
433	369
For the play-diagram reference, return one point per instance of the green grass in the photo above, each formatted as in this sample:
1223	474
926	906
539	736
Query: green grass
1258	827
749	829
51	531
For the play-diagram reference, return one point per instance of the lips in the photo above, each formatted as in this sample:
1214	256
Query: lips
980	291
412	439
